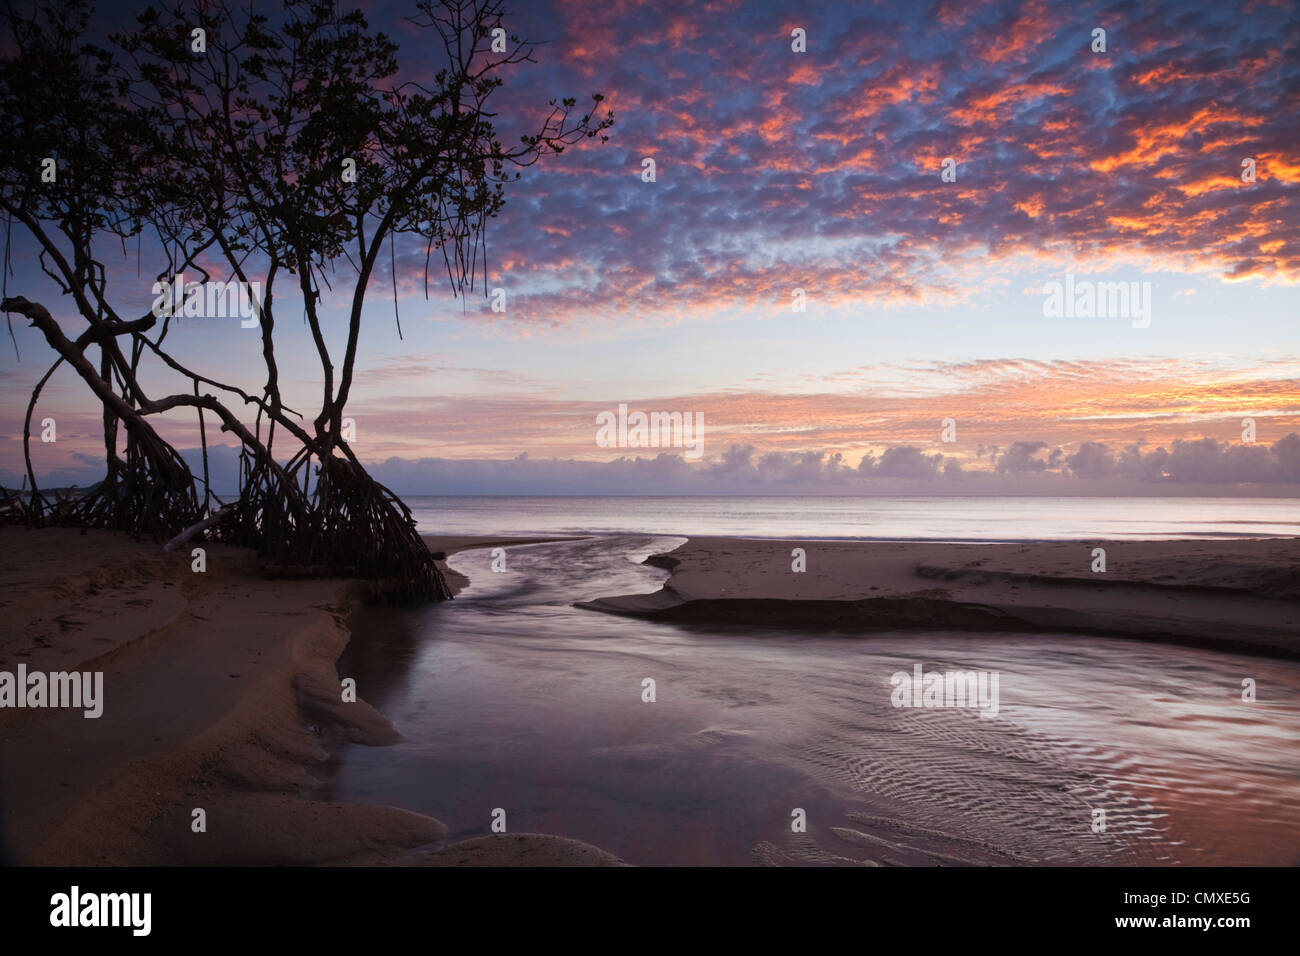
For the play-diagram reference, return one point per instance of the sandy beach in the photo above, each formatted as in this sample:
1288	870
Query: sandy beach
220	693
1241	596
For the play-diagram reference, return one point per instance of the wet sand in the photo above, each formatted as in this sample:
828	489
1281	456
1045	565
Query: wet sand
1239	596
511	696
220	694
221	691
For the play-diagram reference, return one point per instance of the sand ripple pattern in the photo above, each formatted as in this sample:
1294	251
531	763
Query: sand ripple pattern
509	696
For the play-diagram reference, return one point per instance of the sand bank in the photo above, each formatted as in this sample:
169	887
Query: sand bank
1241	596
220	693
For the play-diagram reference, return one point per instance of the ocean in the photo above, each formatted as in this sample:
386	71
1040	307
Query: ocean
900	518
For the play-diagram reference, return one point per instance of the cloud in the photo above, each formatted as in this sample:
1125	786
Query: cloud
1092	460
821	169
1022	468
860	412
902	462
740	470
1200	460
1020	459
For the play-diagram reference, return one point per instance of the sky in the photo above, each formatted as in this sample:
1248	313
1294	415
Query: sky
924	311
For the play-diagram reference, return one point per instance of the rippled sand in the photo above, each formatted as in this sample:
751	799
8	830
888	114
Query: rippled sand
510	697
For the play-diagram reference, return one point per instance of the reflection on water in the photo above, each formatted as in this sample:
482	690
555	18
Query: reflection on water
911	518
509	697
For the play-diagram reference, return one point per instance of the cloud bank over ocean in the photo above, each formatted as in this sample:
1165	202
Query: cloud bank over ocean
1203	466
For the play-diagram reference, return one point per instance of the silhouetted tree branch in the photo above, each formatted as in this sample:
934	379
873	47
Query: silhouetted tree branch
237	149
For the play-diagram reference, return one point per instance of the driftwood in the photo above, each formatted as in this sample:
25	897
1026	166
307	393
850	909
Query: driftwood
194	529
